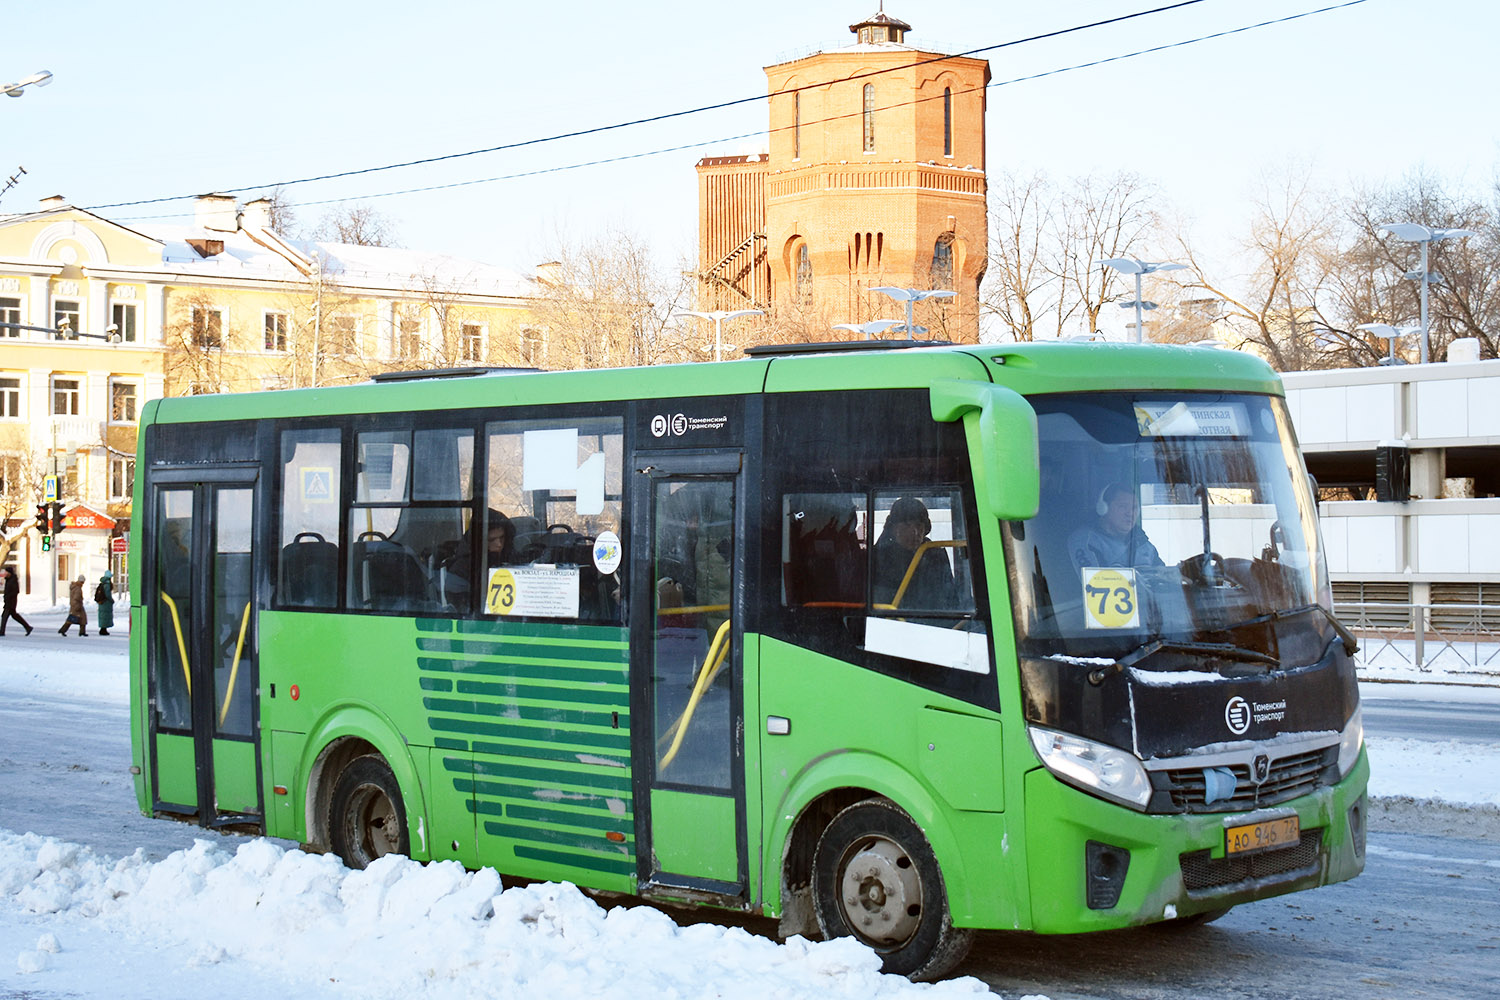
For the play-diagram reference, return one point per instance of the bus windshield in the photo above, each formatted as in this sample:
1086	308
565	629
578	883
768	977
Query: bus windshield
1171	518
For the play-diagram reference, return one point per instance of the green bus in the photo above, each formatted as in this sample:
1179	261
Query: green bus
889	641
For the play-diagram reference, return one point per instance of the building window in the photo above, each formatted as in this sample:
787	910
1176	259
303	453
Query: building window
121	478
122	397
533	346
65	397
208	328
473	342
11	480
409	339
797	125
65	311
869	118
947	121
275	327
10	398
122	318
942	262
804	274
343	335
10	313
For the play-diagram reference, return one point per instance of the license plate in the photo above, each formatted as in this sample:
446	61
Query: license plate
1266	835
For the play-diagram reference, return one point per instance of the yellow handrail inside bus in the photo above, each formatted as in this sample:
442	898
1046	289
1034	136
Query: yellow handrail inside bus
235	669
911	569
181	646
718	650
695	609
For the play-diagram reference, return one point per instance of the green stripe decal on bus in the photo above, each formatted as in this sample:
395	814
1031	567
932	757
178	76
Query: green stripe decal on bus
544	712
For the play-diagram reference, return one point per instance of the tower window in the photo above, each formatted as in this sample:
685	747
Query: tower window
942	262
804	274
869	118
797	125
947	121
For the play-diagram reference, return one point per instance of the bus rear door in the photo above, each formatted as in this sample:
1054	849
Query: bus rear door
200	646
690	795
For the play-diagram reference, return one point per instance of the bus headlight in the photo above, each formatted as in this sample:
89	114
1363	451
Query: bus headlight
1352	738
1095	767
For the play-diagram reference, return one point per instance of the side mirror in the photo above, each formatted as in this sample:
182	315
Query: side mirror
1007	466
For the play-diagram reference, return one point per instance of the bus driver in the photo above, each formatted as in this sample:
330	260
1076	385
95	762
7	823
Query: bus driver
1116	538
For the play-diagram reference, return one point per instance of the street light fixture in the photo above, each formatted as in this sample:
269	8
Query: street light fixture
1138	267
37	79
1389	333
910	295
719	316
1412	232
871	330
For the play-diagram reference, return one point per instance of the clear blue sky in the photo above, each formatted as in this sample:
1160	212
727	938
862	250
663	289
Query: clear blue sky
172	98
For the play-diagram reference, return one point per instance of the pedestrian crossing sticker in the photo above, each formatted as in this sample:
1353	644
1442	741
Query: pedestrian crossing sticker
317	485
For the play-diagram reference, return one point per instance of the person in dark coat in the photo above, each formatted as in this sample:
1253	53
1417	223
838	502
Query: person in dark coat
104	595
12	591
77	613
931	586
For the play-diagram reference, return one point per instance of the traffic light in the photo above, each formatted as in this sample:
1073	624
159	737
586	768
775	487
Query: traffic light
42	524
57	518
46	543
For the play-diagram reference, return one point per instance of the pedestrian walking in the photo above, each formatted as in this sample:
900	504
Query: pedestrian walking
104	596
12	591
77	613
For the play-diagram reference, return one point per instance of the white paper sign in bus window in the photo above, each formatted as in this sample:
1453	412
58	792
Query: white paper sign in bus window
538	591
1196	419
549	461
1109	598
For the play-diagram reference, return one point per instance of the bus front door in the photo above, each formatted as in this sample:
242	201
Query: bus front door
200	616
690	799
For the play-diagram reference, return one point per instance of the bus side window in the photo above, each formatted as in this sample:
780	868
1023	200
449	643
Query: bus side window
823	550
308	558
559	484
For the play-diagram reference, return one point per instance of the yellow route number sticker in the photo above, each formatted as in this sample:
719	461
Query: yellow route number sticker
501	598
1109	598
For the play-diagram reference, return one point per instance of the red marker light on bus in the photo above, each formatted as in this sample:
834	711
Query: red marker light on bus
615	836
296	692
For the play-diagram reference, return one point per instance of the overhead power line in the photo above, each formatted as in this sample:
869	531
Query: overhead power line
654	118
748	135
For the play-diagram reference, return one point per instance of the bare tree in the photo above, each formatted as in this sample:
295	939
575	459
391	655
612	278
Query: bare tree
359	225
607	304
1043	277
282	216
1275	308
21	472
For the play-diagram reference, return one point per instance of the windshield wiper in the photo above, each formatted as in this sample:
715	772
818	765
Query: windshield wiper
1351	644
1219	650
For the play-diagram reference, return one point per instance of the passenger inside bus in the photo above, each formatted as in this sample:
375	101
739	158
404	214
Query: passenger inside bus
931	585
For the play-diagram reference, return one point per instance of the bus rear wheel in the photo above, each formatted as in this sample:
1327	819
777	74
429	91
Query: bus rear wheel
876	879
367	819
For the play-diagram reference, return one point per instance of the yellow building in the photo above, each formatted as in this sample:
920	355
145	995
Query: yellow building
97	317
875	176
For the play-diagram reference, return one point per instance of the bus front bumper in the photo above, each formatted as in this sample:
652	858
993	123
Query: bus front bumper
1094	865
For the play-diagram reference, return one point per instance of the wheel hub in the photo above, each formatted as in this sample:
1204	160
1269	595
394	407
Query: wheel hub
881	893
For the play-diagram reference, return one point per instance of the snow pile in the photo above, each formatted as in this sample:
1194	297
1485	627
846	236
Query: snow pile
402	930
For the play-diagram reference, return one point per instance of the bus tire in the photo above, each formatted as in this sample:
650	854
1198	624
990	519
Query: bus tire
875	878
367	816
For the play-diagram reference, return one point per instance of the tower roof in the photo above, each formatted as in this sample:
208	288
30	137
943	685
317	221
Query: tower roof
881	27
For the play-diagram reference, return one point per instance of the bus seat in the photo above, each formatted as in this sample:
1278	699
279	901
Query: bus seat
386	576
530	540
309	572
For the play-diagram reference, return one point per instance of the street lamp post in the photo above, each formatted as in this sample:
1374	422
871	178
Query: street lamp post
871	330
719	316
1138	267
1411	232
38	79
1390	334
910	295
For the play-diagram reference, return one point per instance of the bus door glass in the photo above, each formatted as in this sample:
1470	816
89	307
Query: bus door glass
691	658
201	649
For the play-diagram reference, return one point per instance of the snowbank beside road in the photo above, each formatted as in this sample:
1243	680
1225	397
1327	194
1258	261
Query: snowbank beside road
372	934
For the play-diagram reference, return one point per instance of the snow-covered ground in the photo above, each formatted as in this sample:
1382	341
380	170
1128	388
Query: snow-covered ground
254	916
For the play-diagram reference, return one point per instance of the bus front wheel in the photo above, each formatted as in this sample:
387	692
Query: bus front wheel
876	879
367	819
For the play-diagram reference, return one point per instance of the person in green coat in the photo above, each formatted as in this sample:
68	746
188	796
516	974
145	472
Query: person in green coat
104	595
